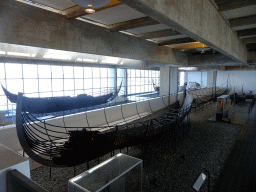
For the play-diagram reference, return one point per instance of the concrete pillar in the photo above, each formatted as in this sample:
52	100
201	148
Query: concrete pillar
174	80
164	81
168	80
210	79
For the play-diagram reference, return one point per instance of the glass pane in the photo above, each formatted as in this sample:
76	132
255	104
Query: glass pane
3	100
44	71
111	82
2	71
146	73
78	72
137	89
129	90
15	85
146	88
96	83
69	84
30	85
153	73
13	70
128	72
122	91
30	71
79	84
111	72
128	82
32	95
87	83
47	94
137	73
142	89
133	89
88	91
78	92
45	85
104	83
118	73
132	81
57	84
150	74
132	72
96	72
58	94
69	93
142	73
142	80
87	72
104	72
68	72
57	72
119	81
1	90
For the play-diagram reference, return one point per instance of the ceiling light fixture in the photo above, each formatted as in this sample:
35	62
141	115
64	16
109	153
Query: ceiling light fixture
89	9
91	5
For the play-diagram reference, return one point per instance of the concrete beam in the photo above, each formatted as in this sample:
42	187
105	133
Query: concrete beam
199	20
23	24
218	60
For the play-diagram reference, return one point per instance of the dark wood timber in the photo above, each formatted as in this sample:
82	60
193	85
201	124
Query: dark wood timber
225	5
157	34
246	32
240	21
249	40
131	24
251	47
176	41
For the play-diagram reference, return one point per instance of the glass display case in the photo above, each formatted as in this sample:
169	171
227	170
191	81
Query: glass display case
121	173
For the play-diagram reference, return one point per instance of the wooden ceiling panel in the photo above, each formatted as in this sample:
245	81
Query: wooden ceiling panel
246	32
157	34
225	5
78	11
148	29
248	20
60	5
131	24
249	40
176	41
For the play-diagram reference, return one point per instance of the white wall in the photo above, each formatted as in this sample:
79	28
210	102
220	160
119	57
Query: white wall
238	79
194	76
204	79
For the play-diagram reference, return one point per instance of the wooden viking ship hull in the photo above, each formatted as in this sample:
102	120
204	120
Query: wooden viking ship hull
55	104
77	145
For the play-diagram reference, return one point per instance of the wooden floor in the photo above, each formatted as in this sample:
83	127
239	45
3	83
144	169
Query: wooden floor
239	172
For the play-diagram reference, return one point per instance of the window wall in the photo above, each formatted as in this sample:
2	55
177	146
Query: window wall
36	80
140	81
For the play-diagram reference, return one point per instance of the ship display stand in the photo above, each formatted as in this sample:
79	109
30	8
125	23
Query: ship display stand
222	108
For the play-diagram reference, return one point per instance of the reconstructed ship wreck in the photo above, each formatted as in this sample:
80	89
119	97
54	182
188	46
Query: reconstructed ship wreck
206	95
55	104
54	143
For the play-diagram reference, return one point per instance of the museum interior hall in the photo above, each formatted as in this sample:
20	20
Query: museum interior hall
127	95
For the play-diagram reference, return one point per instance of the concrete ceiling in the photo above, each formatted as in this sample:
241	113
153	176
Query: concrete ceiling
118	17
